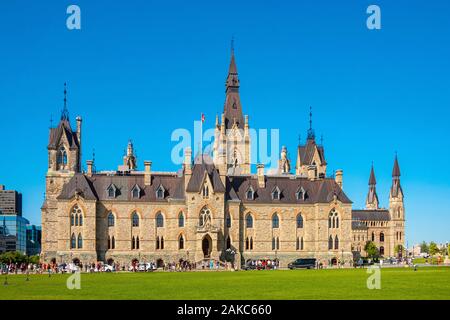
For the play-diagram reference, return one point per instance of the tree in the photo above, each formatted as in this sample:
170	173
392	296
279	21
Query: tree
433	248
371	250
424	247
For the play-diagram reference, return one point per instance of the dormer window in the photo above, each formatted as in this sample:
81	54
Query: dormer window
112	191
276	193
301	194
250	194
160	192
62	158
136	192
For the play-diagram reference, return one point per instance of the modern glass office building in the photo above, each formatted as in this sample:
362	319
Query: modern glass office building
13	225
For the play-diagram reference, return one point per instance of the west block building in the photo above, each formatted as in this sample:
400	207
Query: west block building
214	207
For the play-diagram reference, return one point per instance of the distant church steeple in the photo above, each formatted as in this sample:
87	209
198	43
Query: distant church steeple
65	111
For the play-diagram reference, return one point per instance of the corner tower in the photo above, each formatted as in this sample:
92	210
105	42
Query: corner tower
397	209
372	202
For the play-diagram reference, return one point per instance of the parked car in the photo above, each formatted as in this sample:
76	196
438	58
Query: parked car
303	263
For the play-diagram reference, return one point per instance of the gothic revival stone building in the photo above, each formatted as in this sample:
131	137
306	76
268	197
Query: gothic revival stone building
212	204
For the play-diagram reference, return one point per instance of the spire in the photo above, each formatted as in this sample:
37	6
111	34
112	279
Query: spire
372	197
311	134
372	180
233	109
65	112
396	169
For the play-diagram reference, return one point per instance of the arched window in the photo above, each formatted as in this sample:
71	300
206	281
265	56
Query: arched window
299	221
113	243
135	219
337	222
160	192
80	223
181	220
276	194
228	220
157	243
250	194
275	221
381	251
159	220
251	243
111	221
137	242
278	243
273	243
76	220
162	243
80	241
133	243
136	192
180	242
73	242
329	222
72	219
301	243
62	158
330	243
247	244
109	242
381	237
249	221
373	236
336	243
228	242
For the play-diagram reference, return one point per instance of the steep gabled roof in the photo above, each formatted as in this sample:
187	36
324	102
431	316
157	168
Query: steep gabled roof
81	185
307	151
203	164
56	134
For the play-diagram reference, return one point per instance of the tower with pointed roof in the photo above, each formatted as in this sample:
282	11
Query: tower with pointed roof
397	209
372	202
311	156
231	152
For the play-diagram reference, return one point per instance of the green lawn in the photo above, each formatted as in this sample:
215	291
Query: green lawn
401	283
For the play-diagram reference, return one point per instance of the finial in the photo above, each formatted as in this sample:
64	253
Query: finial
232	44
311	135
321	139
310	118
51	121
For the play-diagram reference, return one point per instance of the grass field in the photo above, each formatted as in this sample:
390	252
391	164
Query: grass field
398	283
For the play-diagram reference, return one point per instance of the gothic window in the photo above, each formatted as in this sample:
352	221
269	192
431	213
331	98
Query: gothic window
301	243
205	217
273	243
299	221
136	192
137	242
301	194
297	244
275	221
247	244
337	222
113	243
160	192
111	219
251	243
228	220
249	221
80	241
276	194
76	220
180	242
109	242
336	243
62	158
330	243
382	251
73	242
373	236
381	237
162	243
278	243
333	219
228	242
180	220
72	219
159	220
80	221
135	219
250	194
157	243
133	243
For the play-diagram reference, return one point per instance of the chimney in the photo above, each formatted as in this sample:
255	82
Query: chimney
89	167
148	173
188	161
261	177
338	177
311	173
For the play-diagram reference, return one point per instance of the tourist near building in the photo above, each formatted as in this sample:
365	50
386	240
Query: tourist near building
214	207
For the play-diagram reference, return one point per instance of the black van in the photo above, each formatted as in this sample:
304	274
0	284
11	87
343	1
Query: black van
303	263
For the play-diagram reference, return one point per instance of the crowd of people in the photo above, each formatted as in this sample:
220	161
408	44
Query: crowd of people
263	264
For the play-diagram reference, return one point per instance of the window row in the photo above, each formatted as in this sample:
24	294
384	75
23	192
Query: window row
333	220
275	221
300	195
136	192
330	243
381	237
76	216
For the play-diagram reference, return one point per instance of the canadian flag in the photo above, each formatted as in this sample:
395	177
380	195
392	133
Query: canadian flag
203	117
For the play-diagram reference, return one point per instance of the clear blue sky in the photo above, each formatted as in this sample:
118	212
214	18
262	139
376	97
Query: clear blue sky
139	69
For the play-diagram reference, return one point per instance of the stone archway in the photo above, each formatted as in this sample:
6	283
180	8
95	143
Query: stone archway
207	246
334	262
